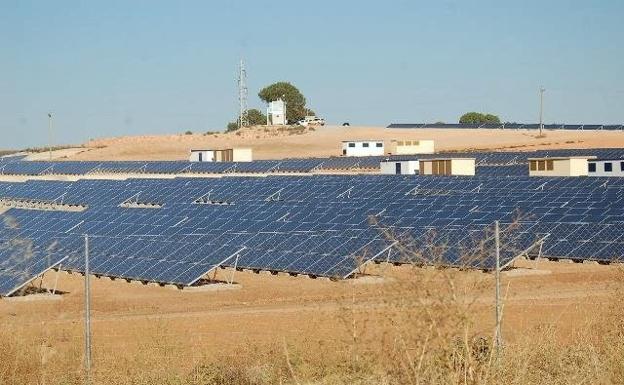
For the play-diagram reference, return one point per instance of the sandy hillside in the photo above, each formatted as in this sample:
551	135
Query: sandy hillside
273	143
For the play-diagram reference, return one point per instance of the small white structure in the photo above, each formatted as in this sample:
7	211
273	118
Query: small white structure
226	155
559	166
362	147
411	147
447	166
276	113
399	167
606	167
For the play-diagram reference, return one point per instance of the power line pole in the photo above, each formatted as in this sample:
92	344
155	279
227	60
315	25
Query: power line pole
87	310
242	95
499	338
541	114
50	135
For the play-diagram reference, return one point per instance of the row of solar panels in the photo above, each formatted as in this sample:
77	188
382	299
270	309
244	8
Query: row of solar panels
511	126
320	225
18	167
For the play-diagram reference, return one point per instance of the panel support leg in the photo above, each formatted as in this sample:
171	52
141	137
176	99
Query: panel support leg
58	272
233	270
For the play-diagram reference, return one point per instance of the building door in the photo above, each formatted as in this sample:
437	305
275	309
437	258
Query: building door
201	156
397	168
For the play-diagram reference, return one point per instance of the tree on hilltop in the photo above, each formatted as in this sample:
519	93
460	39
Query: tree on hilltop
478	118
294	99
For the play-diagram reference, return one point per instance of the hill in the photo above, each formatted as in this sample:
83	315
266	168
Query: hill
277	143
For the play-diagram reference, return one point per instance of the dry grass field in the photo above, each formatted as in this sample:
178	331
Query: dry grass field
275	143
562	324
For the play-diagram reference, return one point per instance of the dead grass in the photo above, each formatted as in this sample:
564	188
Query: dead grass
424	326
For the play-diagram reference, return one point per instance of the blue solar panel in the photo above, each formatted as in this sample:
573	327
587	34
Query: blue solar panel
368	163
175	230
528	126
26	255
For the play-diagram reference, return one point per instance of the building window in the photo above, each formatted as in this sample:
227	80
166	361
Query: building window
550	165
379	144
364	144
533	165
408	142
592	167
351	144
621	166
608	167
541	165
399	143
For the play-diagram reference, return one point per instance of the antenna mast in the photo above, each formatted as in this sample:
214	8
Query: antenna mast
242	95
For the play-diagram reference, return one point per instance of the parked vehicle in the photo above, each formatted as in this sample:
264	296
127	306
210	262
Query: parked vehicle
311	121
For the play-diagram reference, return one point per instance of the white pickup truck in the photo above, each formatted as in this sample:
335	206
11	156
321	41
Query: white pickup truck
311	121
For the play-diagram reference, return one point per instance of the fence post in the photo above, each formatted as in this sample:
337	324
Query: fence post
87	304
498	341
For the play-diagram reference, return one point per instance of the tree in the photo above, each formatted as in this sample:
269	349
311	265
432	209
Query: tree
231	126
478	118
295	101
253	118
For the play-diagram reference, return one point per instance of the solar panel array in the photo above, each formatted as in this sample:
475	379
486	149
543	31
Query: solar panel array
307	165
175	230
26	256
510	126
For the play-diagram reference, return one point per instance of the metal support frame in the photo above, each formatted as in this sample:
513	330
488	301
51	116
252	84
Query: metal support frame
370	259
274	168
388	256
413	191
39	274
74	227
231	281
275	196
318	167
181	221
235	254
230	170
347	192
541	187
58	272
47	171
95	170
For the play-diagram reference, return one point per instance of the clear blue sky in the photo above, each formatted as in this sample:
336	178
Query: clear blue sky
132	67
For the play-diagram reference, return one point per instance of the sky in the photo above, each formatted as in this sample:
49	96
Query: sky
119	67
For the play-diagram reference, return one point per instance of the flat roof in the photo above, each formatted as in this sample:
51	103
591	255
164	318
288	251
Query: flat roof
220	149
607	160
563	157
428	159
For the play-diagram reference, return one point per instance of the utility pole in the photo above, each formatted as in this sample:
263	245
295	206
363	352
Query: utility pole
499	338
242	95
50	135
87	329
541	114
